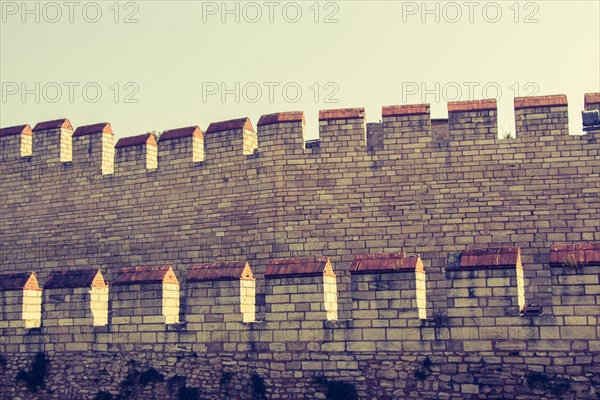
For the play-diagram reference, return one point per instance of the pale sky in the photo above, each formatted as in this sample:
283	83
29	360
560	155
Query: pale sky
165	64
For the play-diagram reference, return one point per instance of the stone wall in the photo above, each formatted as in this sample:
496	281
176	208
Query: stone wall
258	195
486	344
304	374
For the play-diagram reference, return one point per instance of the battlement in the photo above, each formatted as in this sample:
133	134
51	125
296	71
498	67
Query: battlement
485	289
16	142
502	236
146	295
203	193
219	293
52	142
74	298
21	300
342	131
136	154
182	146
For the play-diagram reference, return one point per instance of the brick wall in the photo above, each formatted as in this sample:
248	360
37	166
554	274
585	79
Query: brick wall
259	195
423	192
485	343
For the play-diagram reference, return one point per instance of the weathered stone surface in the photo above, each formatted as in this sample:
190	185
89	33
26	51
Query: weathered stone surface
408	186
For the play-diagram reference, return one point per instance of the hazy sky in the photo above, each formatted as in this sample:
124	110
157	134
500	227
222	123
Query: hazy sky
156	65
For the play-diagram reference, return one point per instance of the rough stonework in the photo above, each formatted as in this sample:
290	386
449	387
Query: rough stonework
410	259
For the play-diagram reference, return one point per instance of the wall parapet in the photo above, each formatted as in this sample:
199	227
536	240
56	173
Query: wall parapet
220	293
406	129
15	142
146	295
388	286
542	115
229	125
487	282
20	301
102	127
473	121
75	298
181	146
16	130
231	138
302	289
485	304
136	154
52	142
416	186
93	148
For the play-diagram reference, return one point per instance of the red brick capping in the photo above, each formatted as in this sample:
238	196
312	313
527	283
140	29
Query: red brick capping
220	271
19	281
343	113
62	123
230	125
314	266
385	263
592	98
80	278
138	275
565	255
179	133
277	118
16	130
540	101
405	109
147	138
497	257
102	127
474	105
